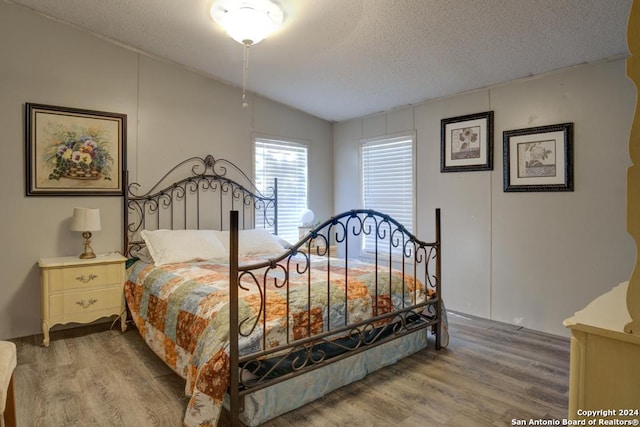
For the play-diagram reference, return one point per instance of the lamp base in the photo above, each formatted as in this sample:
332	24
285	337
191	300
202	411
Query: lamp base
88	250
87	255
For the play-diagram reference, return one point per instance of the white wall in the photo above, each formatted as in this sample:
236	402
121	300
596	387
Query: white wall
531	259
172	114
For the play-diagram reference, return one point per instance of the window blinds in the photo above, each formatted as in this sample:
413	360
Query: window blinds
388	183
286	161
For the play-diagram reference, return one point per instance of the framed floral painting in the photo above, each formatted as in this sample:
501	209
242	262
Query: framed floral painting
74	152
467	143
539	158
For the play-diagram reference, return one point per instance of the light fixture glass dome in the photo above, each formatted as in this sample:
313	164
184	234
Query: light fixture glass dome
247	21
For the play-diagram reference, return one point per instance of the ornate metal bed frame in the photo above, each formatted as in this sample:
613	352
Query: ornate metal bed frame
181	204
169	205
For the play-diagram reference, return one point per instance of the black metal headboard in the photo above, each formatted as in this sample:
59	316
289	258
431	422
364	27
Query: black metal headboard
197	193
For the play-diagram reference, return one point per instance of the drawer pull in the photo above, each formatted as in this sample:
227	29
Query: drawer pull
83	279
88	304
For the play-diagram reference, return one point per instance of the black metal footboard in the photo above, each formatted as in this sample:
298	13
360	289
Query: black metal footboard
404	293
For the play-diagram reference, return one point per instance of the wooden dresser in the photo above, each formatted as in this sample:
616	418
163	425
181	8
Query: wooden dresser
605	361
81	290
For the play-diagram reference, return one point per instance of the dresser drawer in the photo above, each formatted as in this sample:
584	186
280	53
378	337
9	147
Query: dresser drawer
74	304
84	276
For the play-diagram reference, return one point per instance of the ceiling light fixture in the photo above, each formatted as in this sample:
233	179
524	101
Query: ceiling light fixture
248	22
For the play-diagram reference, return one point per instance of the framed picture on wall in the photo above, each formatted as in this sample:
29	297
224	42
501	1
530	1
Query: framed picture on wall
74	152
539	158
467	143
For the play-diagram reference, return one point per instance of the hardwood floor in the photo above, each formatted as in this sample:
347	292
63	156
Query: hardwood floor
489	374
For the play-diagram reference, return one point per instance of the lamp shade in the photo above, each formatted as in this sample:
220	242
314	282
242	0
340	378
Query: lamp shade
307	217
85	219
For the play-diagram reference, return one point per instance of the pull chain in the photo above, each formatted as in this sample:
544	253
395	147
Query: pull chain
245	73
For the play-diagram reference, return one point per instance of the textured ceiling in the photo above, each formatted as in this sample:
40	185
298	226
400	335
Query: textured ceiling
340	59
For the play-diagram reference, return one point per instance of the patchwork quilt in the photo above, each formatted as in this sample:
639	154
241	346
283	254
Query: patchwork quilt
182	312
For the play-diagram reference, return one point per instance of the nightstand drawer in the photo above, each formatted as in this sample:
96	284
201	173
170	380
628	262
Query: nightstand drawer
84	276
77	303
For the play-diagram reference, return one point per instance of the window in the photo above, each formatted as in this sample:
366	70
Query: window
388	180
286	161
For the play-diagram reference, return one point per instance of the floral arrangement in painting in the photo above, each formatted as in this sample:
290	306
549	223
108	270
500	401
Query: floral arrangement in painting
466	143
535	154
78	153
539	159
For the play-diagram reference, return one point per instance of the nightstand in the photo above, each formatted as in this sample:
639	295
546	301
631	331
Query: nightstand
81	290
303	231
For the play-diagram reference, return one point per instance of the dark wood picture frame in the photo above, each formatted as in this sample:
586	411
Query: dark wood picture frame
539	158
467	143
74	152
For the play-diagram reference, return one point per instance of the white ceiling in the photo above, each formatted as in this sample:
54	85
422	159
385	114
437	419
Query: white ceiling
340	59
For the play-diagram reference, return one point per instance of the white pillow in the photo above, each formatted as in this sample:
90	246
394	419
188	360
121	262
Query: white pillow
144	255
171	246
254	241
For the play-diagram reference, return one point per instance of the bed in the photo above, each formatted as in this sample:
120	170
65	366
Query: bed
258	325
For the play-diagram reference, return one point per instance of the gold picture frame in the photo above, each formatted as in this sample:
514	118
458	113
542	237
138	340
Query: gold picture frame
74	152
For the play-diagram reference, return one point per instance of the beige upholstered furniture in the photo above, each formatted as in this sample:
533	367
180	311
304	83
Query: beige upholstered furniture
8	362
81	290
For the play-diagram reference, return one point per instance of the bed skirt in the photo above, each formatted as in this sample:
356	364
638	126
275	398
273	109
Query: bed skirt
270	402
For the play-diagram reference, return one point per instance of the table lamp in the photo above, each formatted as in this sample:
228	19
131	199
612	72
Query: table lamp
307	217
86	220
